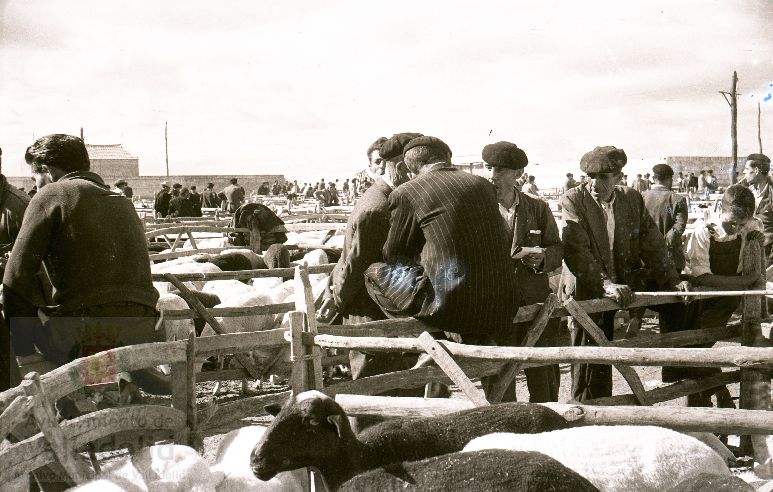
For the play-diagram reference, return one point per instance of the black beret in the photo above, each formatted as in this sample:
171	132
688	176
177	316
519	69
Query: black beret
607	159
433	142
504	154
662	170
394	145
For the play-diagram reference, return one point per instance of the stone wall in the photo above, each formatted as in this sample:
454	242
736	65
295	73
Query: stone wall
694	164
116	167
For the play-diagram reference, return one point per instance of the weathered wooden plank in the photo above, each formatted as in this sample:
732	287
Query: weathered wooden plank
196	304
304	301
590	327
230	343
444	360
508	373
12	416
230	312
243	274
45	416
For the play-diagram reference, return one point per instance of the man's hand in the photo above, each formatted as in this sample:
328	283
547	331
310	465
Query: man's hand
684	286
534	260
621	293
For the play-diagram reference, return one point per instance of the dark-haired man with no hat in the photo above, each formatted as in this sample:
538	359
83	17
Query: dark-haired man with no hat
669	211
755	176
530	223
611	248
93	246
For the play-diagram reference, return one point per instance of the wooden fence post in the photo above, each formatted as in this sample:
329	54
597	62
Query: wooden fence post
444	360
45	416
637	388
304	302
508	373
755	385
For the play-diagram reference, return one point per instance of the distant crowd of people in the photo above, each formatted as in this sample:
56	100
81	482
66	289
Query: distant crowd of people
181	201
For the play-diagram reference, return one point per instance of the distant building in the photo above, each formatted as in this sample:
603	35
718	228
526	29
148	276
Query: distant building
113	160
722	166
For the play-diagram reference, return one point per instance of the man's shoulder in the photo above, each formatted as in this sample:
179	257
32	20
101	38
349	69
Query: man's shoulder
15	196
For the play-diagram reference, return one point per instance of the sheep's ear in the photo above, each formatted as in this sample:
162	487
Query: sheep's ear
273	409
337	421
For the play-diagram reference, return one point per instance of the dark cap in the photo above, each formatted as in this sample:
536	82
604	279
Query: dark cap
433	142
607	159
177	185
394	145
662	170
504	154
120	182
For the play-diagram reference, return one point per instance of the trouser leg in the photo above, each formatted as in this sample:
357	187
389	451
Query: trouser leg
591	381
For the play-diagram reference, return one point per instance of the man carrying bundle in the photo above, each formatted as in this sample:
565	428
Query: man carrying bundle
611	248
530	224
94	250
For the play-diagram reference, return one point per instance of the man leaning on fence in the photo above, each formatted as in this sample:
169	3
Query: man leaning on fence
611	248
530	223
93	247
755	176
446	260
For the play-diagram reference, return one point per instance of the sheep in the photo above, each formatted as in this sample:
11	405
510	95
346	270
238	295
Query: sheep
710	482
227	289
312	430
482	471
185	267
233	462
165	467
277	256
265	284
624	457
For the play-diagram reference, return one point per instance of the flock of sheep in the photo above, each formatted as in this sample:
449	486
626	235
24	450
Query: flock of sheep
510	446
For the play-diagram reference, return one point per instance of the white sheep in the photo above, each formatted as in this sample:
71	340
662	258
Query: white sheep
162	468
233	462
227	289
185	267
265	283
207	242
613	458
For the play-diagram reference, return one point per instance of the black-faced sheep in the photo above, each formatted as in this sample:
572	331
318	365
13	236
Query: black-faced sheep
484	471
312	430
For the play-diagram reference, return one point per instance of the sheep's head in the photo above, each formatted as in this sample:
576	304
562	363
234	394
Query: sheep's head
311	430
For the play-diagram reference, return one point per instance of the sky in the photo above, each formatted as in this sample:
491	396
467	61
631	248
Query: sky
303	87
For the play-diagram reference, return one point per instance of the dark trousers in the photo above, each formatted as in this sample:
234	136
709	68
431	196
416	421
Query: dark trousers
543	382
98	328
591	381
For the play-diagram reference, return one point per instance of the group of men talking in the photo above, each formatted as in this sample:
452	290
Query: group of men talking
446	247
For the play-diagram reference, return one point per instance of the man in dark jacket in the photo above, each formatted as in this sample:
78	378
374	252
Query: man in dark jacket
196	201
608	238
163	197
181	206
13	203
755	176
234	195
209	198
669	212
446	259
94	250
530	224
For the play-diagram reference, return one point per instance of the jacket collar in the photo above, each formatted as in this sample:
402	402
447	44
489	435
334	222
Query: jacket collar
87	175
598	227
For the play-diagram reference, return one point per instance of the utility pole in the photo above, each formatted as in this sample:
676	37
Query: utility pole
166	148
82	134
733	102
759	126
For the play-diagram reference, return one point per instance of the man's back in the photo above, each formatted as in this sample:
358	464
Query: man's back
162	202
92	242
181	206
234	193
450	224
210	199
668	209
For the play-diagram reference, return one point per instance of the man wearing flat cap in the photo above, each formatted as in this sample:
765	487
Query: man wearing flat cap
611	247
445	259
755	176
530	223
366	233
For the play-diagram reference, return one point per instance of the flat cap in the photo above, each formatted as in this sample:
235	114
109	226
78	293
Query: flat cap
607	159
504	154
395	144
662	170
120	182
433	142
